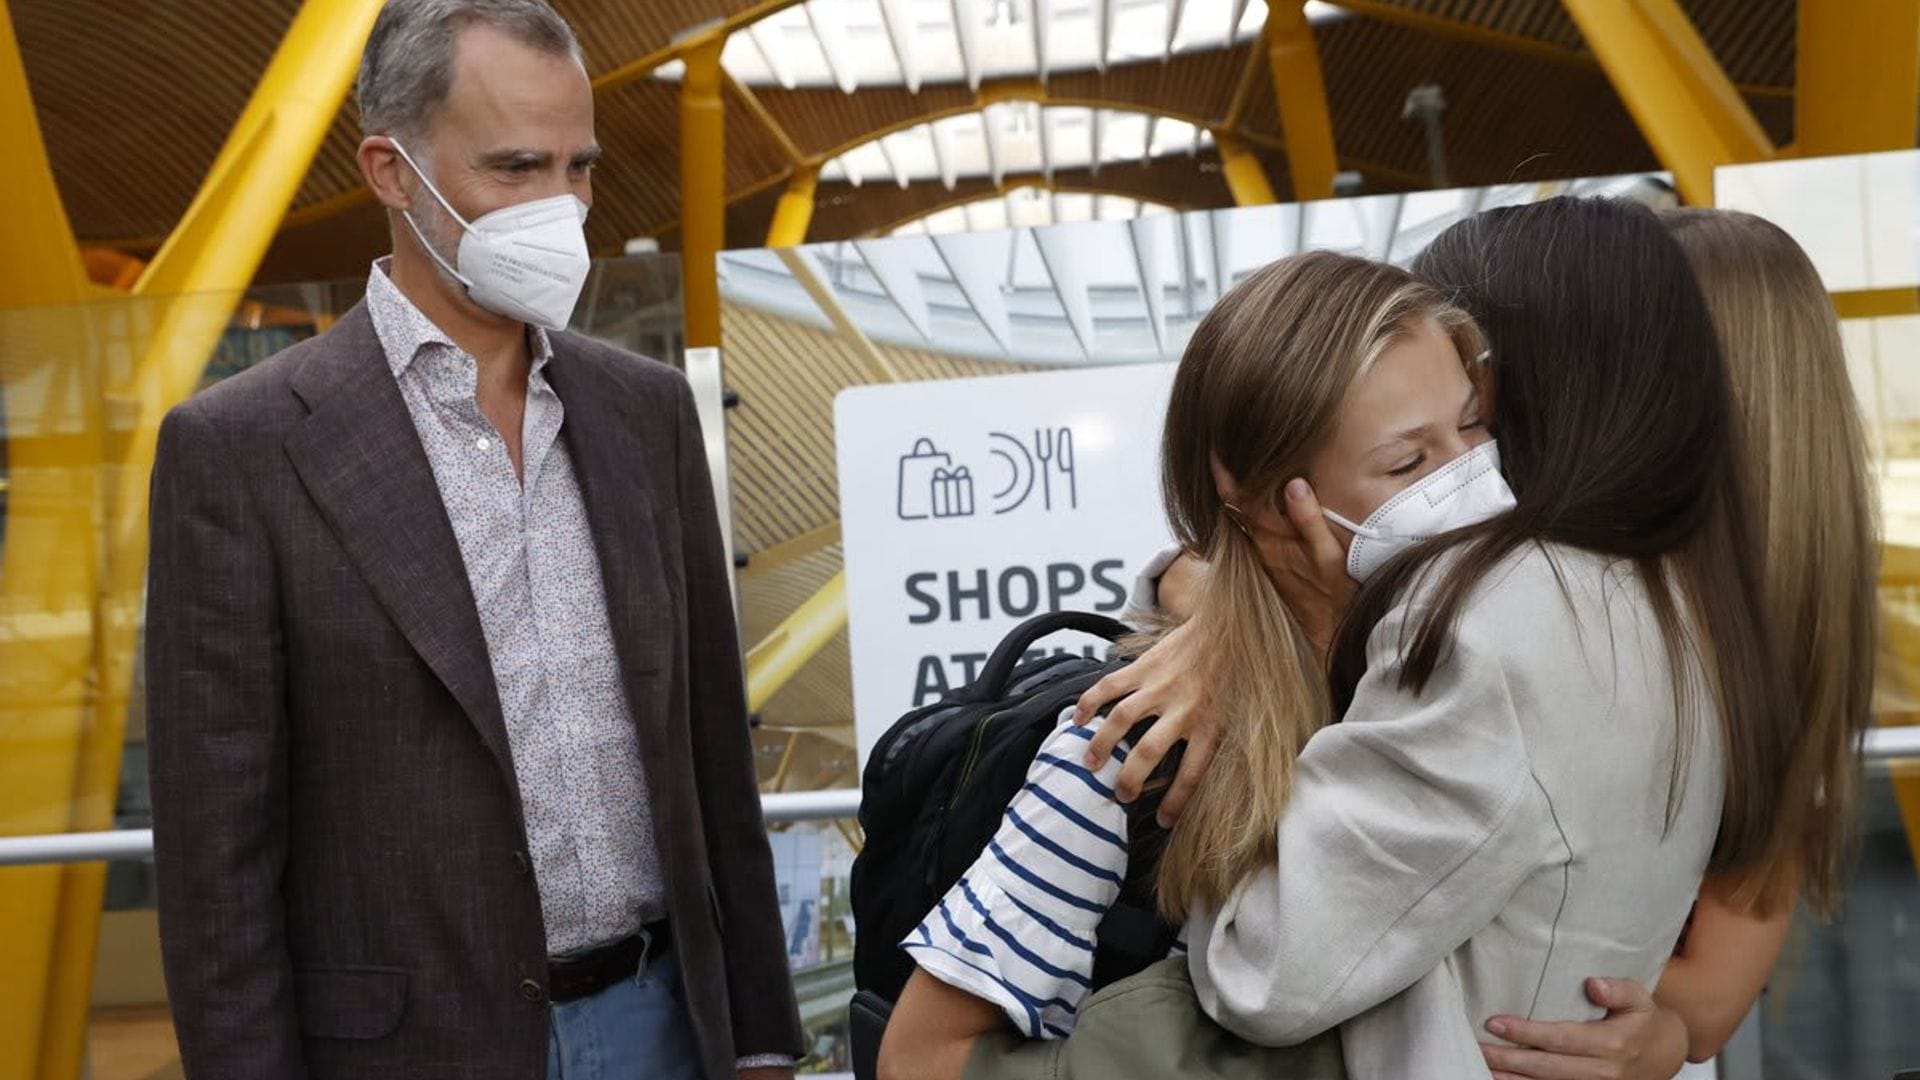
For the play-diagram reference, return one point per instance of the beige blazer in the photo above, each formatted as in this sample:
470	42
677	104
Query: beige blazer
1482	847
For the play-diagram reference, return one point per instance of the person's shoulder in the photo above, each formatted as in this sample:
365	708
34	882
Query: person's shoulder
257	400
646	380
1540	606
1061	763
1517	581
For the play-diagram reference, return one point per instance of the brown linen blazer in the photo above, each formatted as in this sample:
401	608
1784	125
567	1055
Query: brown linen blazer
344	888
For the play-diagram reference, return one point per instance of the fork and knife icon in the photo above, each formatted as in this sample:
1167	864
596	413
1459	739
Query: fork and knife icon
1054	446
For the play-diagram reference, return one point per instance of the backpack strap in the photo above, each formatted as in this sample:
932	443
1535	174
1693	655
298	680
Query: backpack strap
992	683
1132	935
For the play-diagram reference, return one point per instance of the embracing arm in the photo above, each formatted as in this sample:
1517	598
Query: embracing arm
217	744
766	1025
1171	682
933	1029
1705	992
1410	825
1723	964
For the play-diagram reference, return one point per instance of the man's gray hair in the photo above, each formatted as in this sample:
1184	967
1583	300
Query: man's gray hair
407	68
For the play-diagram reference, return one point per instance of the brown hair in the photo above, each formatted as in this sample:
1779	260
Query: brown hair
1617	436
1259	389
1806	469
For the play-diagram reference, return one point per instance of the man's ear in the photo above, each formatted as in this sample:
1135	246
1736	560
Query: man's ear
386	175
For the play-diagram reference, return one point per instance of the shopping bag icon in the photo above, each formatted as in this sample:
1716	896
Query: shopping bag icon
952	493
914	500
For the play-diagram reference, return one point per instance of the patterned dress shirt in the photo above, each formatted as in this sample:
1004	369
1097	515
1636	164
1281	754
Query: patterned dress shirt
536	579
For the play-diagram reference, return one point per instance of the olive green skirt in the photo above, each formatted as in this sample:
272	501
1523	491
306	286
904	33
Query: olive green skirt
1147	1027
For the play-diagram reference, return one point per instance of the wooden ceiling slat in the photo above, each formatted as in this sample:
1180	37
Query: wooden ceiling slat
135	100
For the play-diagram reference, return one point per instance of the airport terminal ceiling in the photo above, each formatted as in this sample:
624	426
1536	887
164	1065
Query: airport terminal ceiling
135	99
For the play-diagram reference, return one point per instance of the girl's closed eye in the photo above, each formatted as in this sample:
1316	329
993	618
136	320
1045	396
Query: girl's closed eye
1414	463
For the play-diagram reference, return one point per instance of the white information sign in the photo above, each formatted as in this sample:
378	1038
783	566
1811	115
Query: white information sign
968	506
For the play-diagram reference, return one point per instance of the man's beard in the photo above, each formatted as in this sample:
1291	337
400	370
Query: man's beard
442	234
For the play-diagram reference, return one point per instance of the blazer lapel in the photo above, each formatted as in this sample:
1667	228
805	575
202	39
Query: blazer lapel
361	460
615	478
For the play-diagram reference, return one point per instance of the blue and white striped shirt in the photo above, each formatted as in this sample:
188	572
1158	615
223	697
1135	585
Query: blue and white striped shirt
1019	927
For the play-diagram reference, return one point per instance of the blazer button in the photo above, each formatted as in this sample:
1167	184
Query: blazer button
532	991
521	865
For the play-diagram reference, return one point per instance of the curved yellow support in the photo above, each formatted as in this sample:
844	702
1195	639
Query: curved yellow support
797	640
703	188
49	572
1300	95
1244	174
795	212
1689	111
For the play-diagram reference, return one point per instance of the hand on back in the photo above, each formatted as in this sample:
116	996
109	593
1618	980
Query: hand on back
1638	1040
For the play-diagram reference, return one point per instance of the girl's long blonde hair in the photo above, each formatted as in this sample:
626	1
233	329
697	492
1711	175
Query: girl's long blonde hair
1259	388
1806	472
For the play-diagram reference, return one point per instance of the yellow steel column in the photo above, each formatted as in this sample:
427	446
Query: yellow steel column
1246	178
194	282
795	211
1689	111
1300	95
703	187
47	581
1858	82
40	262
797	640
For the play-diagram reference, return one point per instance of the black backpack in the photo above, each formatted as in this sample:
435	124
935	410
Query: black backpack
935	790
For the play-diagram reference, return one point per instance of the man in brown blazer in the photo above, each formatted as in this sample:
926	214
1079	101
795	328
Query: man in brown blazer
450	760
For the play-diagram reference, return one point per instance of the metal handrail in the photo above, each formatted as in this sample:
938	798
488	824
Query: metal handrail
123	845
1880	744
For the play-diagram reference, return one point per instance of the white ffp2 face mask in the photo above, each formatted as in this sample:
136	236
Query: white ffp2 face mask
1465	491
527	262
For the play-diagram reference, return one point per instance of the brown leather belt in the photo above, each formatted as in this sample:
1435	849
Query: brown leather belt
587	974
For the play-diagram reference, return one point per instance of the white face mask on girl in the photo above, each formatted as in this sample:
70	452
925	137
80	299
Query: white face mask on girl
527	262
1465	491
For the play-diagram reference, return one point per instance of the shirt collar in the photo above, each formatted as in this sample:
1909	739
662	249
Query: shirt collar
404	330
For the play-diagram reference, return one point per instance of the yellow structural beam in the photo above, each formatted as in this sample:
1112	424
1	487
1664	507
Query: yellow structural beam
797	640
39	263
751	102
1246	178
1876	303
703	187
1300	93
791	550
1858	75
1688	110
795	211
49	573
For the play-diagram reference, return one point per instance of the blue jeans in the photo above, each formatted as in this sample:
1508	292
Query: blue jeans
636	1029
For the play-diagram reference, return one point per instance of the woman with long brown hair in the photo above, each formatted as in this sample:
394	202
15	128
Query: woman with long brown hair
1814	507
